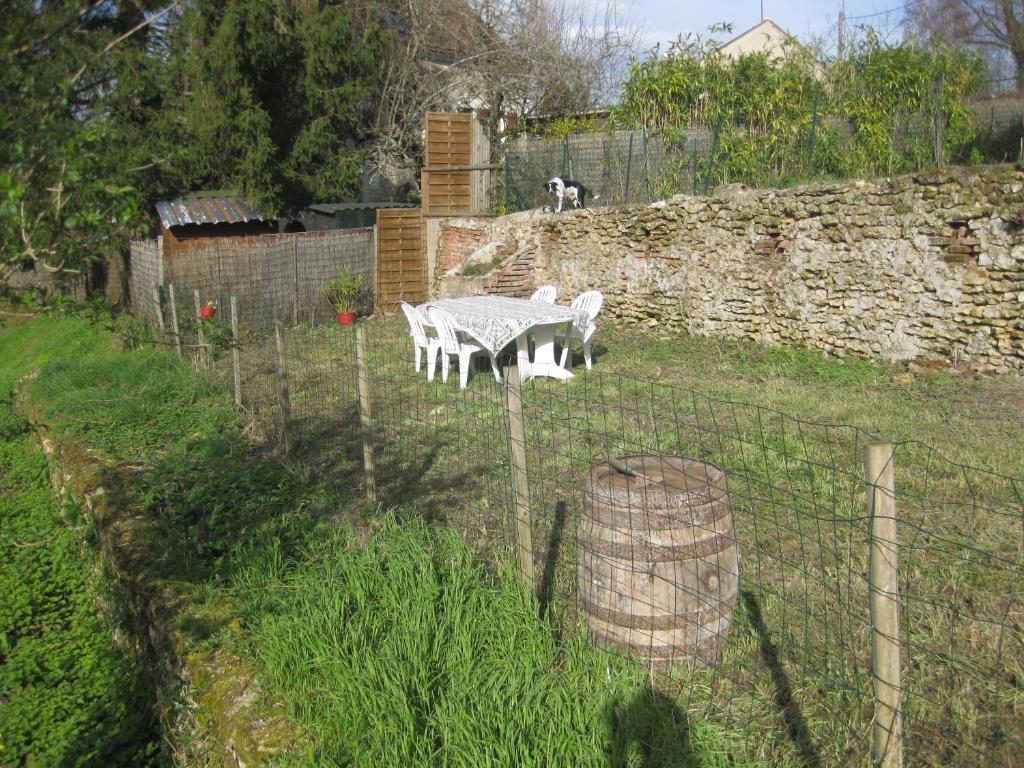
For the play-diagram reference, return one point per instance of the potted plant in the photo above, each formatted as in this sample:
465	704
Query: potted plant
341	292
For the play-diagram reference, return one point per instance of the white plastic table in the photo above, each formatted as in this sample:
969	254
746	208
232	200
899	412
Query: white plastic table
494	321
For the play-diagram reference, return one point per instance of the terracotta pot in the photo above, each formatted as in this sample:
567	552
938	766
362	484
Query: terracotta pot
346	318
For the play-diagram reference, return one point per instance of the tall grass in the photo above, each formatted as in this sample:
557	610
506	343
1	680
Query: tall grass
407	652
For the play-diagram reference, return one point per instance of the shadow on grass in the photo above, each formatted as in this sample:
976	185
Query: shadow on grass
328	449
547	581
444	481
576	358
650	730
796	726
402	476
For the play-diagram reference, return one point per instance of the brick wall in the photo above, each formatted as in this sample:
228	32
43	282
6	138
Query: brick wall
458	243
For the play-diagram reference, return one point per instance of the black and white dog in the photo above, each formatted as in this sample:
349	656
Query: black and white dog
567	188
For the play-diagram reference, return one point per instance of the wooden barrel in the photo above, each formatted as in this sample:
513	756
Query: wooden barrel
658	563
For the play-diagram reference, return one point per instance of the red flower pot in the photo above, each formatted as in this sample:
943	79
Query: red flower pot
346	318
207	312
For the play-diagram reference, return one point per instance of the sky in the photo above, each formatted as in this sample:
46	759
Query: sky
663	20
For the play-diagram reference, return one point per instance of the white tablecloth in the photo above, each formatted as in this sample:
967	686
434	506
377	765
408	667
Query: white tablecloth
494	321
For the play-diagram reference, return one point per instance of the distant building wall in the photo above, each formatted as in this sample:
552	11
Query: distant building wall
766	37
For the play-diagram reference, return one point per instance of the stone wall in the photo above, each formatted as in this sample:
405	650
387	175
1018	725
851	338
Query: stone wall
916	267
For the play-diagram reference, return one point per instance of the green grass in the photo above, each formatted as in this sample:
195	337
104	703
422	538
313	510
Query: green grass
974	420
68	695
793	687
789	427
406	651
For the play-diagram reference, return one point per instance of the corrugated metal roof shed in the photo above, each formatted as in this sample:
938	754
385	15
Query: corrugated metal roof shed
221	209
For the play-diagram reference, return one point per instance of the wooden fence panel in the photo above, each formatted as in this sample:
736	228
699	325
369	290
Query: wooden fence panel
449	139
449	145
401	258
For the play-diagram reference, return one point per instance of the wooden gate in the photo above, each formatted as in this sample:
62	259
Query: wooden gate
401	258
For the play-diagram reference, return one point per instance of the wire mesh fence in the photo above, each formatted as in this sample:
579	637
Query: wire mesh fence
622	167
736	552
271	276
615	167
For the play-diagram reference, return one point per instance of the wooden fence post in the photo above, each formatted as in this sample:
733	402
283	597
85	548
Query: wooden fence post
365	413
235	361
520	485
883	585
200	356
174	317
282	390
159	310
295	280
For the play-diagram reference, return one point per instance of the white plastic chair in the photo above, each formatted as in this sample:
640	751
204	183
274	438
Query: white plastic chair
590	302
545	293
449	343
417	329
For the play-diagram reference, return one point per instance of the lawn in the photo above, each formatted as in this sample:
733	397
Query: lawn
333	614
789	427
69	695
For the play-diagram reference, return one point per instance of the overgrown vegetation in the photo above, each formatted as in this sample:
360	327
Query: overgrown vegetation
68	695
395	643
790	115
407	651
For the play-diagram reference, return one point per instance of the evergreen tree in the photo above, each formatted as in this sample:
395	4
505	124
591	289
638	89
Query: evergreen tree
276	99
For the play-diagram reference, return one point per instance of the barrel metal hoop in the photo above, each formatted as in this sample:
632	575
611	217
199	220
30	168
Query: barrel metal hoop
707	650
645	551
663	621
605	513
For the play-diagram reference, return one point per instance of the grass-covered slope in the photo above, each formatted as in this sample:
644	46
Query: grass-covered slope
68	695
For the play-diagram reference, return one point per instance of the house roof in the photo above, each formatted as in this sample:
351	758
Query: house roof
206	209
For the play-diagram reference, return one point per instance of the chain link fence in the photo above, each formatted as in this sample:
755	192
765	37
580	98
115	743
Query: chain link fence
615	167
797	603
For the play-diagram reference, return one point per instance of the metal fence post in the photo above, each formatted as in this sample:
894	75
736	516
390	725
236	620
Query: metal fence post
883	585
629	167
295	280
365	414
235	361
693	167
937	120
712	156
520	484
282	389
647	169
508	182
811	139
174	317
